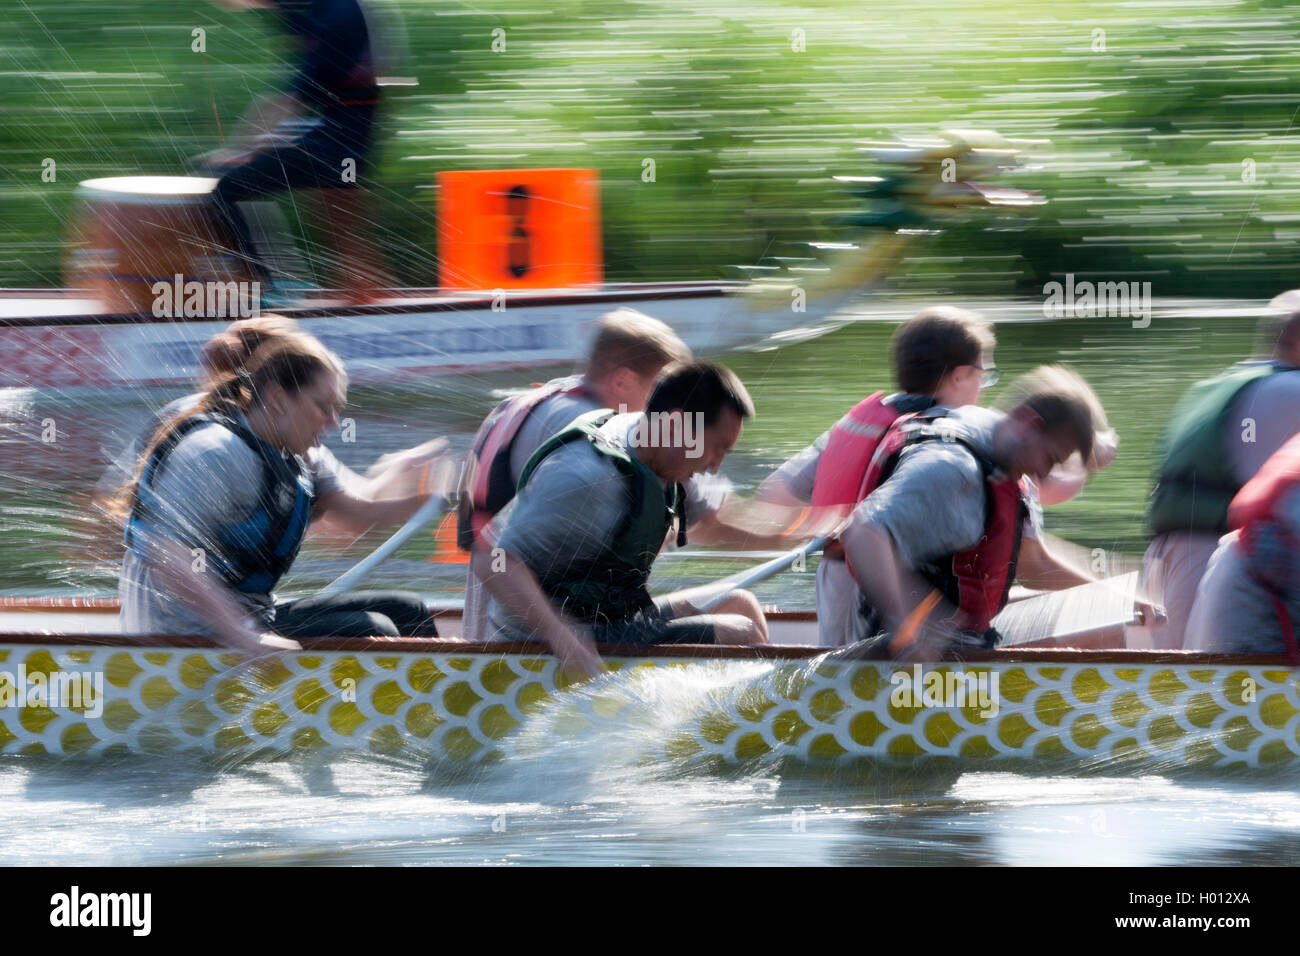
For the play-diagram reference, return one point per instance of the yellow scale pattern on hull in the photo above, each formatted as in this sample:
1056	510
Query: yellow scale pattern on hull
469	707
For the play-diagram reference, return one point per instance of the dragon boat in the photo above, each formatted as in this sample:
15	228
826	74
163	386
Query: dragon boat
71	686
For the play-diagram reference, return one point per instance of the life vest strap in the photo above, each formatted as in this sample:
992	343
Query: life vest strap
485	486
256	552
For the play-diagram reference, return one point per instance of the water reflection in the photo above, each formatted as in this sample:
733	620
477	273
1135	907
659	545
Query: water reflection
363	811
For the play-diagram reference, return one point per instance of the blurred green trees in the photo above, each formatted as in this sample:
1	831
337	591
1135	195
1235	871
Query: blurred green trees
1164	133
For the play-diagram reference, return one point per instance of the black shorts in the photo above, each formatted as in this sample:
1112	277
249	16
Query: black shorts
657	625
355	614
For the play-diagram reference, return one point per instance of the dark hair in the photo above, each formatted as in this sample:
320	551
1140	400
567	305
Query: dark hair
626	338
700	387
1063	400
292	361
934	342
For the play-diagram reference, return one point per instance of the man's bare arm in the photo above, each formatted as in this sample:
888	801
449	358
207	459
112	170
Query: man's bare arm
761	525
910	607
357	510
515	588
357	514
1039	567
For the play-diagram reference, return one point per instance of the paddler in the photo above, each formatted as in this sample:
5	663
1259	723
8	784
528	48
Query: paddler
934	543
1221	433
942	359
1248	601
336	87
567	561
223	498
628	350
395	475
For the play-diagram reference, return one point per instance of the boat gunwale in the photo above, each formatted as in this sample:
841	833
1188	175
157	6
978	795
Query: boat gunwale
1132	657
423	645
443	301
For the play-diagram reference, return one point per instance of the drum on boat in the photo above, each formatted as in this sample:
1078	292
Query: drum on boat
132	232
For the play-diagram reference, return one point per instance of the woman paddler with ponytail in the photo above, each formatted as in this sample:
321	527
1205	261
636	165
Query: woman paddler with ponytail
223	497
394	475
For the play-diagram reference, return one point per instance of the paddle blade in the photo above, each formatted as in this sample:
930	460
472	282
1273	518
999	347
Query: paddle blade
444	537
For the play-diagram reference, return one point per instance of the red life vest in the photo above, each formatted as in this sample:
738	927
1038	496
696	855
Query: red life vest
842	467
841	473
1254	512
486	485
978	579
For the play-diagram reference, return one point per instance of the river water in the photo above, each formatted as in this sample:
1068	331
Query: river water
602	802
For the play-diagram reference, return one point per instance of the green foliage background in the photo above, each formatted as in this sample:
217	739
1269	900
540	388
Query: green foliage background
1142	117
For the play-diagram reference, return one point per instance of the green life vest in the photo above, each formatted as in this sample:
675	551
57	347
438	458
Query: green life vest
1195	483
613	585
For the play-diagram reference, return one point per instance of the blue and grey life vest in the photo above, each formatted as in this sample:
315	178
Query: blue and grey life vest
252	555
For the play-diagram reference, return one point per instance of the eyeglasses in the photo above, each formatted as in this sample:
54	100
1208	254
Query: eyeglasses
988	376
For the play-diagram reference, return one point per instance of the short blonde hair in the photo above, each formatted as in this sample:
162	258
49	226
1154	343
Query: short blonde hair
1063	400
626	338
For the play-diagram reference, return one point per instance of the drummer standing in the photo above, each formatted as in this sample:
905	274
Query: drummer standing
335	79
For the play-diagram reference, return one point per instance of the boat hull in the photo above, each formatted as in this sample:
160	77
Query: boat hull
448	700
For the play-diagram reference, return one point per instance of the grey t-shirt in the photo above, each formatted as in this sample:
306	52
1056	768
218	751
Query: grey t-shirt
704	493
796	475
209	481
547	418
123	468
567	513
838	595
1234	612
1270	411
934	503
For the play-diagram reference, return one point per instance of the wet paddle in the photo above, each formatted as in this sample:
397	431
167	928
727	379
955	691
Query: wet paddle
762	572
428	512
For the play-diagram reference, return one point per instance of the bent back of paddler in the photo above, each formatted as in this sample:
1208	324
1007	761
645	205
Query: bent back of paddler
935	542
942	359
942	356
568	560
628	351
